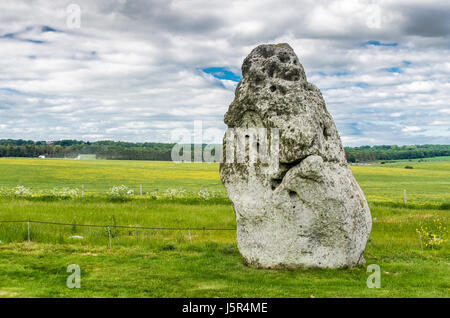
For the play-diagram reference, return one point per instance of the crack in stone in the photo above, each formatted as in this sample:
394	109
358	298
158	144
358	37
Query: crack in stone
283	170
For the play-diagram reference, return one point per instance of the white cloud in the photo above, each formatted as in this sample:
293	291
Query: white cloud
133	71
411	129
440	123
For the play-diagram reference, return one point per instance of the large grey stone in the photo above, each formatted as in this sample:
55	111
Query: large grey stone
310	211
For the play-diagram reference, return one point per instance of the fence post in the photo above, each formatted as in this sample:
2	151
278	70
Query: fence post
109	234
190	237
404	197
140	188
82	190
29	237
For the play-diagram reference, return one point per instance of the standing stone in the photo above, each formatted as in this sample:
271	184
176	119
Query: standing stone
309	211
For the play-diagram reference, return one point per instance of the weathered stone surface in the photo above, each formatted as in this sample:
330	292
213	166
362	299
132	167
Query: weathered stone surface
311	212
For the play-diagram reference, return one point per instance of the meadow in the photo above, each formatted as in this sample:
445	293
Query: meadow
197	262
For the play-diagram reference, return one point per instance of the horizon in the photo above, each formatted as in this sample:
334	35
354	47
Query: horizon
169	143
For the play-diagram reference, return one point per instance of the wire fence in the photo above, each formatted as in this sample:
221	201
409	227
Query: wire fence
122	226
108	228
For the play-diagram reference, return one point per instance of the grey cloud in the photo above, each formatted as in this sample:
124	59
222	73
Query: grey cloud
145	78
425	21
160	16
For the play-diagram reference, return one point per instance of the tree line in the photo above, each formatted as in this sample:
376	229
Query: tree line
118	150
114	150
393	152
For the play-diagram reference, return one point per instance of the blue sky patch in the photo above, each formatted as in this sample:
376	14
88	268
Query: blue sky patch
378	43
352	129
8	36
343	73
11	90
32	41
361	85
46	28
15	36
222	73
393	69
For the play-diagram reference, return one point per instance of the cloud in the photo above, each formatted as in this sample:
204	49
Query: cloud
137	70
411	129
425	19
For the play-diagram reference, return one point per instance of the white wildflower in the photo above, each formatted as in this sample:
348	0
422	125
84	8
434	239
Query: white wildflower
22	191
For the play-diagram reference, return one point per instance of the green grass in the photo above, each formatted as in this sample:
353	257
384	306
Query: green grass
432	159
100	175
427	184
163	263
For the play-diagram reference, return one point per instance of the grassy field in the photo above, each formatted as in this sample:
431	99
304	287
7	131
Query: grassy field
441	158
169	263
100	175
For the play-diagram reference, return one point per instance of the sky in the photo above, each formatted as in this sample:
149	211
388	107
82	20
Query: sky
138	70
